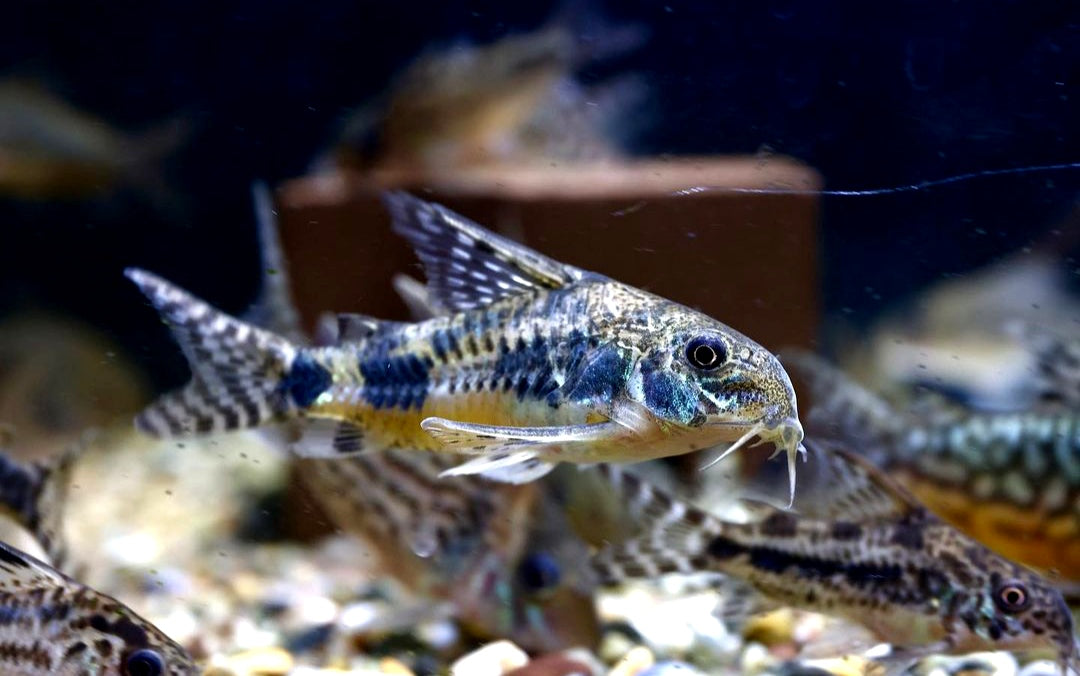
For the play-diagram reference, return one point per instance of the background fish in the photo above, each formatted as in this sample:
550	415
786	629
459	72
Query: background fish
51	150
515	100
1010	480
60	377
55	626
537	363
860	547
52	624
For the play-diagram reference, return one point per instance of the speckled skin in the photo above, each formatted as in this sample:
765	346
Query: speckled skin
51	625
1010	480
560	357
870	553
525	342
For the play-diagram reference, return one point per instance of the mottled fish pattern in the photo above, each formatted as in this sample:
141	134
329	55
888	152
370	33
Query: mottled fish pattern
499	557
1010	480
535	363
859	547
51	625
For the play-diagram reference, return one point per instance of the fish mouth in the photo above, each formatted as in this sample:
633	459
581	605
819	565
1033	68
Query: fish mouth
787	430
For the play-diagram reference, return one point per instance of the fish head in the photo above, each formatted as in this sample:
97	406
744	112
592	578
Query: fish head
1016	609
702	374
115	642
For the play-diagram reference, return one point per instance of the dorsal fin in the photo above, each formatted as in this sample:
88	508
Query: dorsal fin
466	265
274	309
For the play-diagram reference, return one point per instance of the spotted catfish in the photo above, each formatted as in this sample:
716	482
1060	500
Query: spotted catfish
860	547
55	626
51	624
500	559
1010	480
535	363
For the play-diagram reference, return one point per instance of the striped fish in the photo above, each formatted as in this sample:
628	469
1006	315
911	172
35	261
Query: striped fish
533	363
860	547
1011	480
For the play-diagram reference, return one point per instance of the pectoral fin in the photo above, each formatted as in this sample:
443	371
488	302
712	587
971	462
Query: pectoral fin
474	439
512	468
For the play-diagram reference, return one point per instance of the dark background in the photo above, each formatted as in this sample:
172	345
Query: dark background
871	94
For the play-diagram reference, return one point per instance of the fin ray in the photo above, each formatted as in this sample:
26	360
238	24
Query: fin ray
475	439
238	371
515	468
467	266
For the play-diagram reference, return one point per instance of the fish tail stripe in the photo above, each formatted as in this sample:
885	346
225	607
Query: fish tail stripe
672	539
242	376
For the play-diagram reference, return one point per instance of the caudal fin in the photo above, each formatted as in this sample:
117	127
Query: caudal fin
242	376
673	535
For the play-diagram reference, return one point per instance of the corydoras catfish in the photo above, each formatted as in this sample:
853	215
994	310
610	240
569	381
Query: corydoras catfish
860	547
534	363
498	558
52	624
1011	480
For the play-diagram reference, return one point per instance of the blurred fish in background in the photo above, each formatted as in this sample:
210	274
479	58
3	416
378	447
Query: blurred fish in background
517	100
969	338
59	377
52	150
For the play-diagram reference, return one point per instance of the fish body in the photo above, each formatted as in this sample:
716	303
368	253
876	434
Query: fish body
859	547
55	626
1010	480
532	363
516	100
499	557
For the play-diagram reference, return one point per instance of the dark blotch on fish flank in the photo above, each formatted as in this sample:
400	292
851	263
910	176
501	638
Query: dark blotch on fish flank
524	368
779	562
724	548
666	395
306	380
908	535
846	530
603	377
780	525
400	381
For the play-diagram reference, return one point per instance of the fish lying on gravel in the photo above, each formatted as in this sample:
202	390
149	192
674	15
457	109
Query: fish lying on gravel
52	625
535	363
1010	480
860	547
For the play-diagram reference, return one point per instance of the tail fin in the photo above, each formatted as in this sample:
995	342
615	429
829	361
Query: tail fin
35	496
242	377
673	536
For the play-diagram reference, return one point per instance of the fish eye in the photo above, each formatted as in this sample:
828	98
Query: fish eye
1012	597
538	572
705	353
144	663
